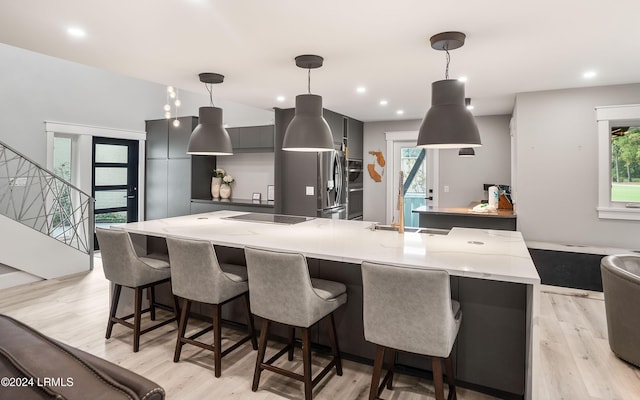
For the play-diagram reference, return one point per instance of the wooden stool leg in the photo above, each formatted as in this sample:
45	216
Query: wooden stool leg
335	350
152	302
392	365
377	372
137	314
114	307
306	362
451	378
250	327
182	328
217	339
292	336
176	309
261	351
438	387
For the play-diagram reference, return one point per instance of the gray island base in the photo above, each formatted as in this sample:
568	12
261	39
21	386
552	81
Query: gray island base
492	276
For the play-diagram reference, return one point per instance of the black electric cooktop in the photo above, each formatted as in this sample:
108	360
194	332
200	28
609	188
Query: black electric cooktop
270	218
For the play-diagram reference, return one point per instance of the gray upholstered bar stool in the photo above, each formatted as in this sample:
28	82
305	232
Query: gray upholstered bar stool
197	276
123	267
621	287
410	310
282	291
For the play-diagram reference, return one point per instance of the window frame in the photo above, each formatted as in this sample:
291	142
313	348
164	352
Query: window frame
608	116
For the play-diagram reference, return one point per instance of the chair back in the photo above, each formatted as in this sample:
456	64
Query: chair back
196	273
409	309
119	258
621	287
280	287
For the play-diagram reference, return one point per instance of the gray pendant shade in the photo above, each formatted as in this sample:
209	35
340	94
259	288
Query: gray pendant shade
210	137
467	152
448	123
308	130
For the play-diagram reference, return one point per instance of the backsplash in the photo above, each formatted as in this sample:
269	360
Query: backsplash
252	172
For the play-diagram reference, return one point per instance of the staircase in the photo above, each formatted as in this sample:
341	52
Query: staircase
46	223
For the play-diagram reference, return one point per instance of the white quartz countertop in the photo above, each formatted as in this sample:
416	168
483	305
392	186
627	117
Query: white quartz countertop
477	253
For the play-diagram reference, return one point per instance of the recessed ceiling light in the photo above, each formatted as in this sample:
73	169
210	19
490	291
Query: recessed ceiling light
400	112
280	98
76	32
589	74
361	89
383	102
462	79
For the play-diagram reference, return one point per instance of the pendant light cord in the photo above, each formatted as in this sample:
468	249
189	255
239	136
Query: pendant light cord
309	80
446	71
210	90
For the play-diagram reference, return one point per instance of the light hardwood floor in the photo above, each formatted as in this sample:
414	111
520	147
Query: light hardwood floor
575	360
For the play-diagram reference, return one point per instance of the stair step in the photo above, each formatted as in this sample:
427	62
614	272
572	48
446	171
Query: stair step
11	279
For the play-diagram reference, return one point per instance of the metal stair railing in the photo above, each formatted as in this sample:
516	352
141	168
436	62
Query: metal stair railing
40	199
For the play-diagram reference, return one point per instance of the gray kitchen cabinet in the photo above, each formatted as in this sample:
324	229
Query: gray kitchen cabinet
179	187
355	131
234	134
336	124
179	137
252	139
168	168
156	185
157	143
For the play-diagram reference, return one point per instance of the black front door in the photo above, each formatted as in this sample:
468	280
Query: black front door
115	181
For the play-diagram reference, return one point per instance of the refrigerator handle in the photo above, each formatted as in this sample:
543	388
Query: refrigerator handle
340	197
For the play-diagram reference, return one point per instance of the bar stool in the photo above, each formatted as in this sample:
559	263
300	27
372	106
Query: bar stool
410	310
197	276
123	267
282	291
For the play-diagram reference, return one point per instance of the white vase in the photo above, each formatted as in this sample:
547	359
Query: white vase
215	187
225	191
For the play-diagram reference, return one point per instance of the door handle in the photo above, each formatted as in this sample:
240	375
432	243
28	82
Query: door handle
129	197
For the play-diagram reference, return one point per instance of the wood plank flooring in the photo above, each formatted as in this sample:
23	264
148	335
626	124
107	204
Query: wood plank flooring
575	360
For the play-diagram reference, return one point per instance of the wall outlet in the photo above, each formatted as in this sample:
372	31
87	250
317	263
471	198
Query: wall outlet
446	189
309	190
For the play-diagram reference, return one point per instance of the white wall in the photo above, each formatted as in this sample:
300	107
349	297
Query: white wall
557	178
464	176
252	173
38	88
374	202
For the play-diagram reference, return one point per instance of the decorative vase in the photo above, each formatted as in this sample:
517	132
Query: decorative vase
225	191
215	187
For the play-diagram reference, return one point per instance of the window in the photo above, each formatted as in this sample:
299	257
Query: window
625	164
619	162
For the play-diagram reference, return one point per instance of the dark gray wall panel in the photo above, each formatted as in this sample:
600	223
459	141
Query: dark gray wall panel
179	137
157	139
179	187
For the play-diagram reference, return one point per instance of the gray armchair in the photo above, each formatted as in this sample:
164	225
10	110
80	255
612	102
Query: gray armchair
621	286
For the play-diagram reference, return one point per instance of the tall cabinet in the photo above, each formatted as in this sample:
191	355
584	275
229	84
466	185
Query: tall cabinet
168	168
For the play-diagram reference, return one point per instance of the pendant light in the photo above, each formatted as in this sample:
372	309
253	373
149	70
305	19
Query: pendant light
448	123
308	131
210	137
467	152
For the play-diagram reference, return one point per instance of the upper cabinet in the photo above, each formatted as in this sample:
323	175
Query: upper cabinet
166	141
336	124
355	131
179	136
252	139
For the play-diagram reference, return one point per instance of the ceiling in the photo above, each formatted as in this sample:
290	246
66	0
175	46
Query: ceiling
512	47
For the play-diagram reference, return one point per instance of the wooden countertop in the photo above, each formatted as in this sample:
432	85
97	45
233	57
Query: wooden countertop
464	211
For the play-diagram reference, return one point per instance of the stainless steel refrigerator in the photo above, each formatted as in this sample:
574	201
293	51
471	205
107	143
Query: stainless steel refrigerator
332	184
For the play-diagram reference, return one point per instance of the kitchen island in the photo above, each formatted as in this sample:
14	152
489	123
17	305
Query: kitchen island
492	275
